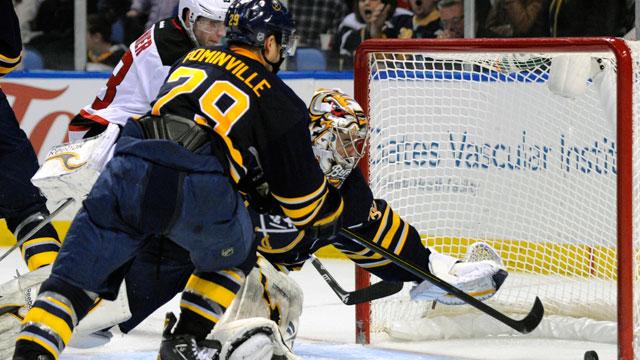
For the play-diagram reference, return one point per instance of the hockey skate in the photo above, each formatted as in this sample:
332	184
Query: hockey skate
480	275
185	347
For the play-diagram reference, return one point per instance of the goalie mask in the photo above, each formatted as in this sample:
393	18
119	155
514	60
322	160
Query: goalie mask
339	133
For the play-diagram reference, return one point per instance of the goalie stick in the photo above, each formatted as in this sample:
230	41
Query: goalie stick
376	291
525	325
43	221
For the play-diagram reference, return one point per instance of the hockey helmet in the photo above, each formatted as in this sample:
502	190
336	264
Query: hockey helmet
215	10
250	22
339	133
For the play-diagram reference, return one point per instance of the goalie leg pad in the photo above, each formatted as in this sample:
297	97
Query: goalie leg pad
21	290
252	339
91	332
104	314
269	294
10	322
18	295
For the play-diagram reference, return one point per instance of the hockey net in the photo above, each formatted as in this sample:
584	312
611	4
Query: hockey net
469	143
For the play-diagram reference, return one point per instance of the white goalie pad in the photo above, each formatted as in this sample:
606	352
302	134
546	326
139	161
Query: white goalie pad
70	170
9	328
19	292
104	315
22	291
252	339
284	294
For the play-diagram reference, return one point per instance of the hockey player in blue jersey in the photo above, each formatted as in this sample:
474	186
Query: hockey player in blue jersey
221	114
21	204
338	131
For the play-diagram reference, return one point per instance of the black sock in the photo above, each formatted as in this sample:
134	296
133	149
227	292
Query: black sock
193	324
29	350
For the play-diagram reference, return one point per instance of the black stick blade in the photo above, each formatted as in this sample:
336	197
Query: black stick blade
370	293
375	291
532	320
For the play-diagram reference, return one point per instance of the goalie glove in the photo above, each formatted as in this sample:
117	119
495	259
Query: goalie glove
480	275
70	170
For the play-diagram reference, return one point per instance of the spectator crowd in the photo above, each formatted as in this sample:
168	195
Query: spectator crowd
334	27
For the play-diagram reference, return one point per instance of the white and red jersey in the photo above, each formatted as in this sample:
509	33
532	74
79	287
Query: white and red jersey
136	80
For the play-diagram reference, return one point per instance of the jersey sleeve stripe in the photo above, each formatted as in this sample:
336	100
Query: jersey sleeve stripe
363	257
375	264
303	199
299	222
304	211
388	237
266	247
7	69
362	254
96	118
403	238
383	224
10	60
331	217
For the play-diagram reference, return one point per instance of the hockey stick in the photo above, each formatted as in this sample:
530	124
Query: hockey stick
44	220
525	326
376	291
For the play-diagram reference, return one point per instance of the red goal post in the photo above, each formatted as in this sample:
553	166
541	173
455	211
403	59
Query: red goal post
396	65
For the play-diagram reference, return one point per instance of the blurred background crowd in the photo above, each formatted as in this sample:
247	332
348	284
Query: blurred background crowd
329	30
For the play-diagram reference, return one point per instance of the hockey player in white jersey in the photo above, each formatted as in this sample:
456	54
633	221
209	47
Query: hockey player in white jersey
136	80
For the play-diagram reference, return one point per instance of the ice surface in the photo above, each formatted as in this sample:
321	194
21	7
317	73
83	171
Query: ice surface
327	331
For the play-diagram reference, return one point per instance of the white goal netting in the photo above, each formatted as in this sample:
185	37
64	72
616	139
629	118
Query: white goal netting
475	146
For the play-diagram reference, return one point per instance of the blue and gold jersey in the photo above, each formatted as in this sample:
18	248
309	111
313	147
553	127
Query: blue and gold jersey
259	122
288	248
10	42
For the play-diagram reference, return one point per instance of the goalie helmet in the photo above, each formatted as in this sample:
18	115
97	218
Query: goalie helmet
339	133
214	10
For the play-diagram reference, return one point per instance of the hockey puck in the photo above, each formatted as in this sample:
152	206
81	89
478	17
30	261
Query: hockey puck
591	355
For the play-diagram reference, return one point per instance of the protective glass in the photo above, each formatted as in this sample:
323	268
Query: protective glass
289	43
